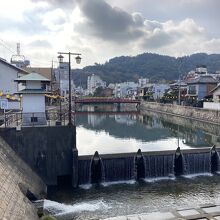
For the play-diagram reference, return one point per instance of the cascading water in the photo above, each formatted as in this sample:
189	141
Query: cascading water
84	171
196	163
159	165
117	169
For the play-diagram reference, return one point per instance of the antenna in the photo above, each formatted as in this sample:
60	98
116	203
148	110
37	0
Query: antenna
18	49
18	59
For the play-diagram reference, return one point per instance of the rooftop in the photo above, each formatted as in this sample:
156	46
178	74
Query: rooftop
32	91
202	80
32	77
12	66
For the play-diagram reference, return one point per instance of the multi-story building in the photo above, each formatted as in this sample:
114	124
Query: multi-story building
125	89
202	71
62	78
142	82
93	82
200	87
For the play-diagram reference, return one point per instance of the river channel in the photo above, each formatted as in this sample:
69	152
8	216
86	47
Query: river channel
121	133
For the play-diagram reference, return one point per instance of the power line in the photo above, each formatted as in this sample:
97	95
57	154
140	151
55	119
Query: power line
3	43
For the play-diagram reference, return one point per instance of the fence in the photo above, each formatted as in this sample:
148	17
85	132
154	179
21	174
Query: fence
49	118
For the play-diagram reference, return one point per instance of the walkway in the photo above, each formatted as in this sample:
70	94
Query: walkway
211	212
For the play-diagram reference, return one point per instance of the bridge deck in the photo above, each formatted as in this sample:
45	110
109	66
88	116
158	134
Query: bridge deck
106	100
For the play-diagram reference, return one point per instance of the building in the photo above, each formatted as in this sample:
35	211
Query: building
200	87
153	91
62	79
216	99
93	82
142	82
8	87
33	99
216	94
46	72
126	89
159	90
201	70
8	73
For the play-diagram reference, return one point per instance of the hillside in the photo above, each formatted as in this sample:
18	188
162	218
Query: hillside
152	66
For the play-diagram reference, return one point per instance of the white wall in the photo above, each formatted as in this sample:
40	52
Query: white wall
211	105
33	85
216	95
7	77
33	103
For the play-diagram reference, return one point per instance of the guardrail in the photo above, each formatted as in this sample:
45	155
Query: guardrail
49	118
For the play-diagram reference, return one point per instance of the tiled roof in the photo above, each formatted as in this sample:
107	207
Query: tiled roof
12	66
32	91
32	77
203	80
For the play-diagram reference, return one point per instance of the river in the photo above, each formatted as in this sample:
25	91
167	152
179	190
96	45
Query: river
120	133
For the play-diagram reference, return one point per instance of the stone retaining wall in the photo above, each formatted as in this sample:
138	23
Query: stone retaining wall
201	114
16	179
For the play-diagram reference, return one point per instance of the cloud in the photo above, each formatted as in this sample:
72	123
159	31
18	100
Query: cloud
58	3
40	44
101	29
115	25
108	23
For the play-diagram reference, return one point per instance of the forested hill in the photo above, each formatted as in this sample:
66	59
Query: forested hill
153	66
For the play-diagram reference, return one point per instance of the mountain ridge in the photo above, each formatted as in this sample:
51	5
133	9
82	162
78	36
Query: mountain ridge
148	65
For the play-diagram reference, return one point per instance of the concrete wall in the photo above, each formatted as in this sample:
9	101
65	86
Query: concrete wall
15	179
211	105
47	150
211	116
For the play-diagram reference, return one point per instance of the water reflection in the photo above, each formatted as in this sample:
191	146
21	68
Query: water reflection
119	133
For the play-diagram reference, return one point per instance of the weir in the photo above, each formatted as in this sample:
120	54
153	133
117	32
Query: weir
140	165
52	153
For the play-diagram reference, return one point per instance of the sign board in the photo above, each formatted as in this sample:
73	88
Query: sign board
4	104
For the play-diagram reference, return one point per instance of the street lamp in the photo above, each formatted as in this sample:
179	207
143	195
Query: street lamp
78	61
60	59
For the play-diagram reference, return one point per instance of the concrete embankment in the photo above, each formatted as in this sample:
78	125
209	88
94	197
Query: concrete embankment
17	183
205	115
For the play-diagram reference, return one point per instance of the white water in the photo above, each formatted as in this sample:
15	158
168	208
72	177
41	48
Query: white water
57	209
191	176
156	179
106	184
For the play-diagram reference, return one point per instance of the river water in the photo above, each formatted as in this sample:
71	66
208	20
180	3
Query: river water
119	133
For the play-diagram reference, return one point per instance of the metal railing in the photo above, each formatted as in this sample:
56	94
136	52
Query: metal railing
49	118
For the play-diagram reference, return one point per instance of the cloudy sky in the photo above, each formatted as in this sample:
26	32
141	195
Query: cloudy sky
101	29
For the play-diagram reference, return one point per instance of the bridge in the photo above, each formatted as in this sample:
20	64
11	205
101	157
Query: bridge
106	101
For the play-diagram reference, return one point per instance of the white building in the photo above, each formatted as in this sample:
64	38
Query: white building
93	82
33	99
8	73
201	71
8	87
142	82
125	89
216	94
159	90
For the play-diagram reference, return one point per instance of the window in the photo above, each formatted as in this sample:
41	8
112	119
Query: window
192	90
34	119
